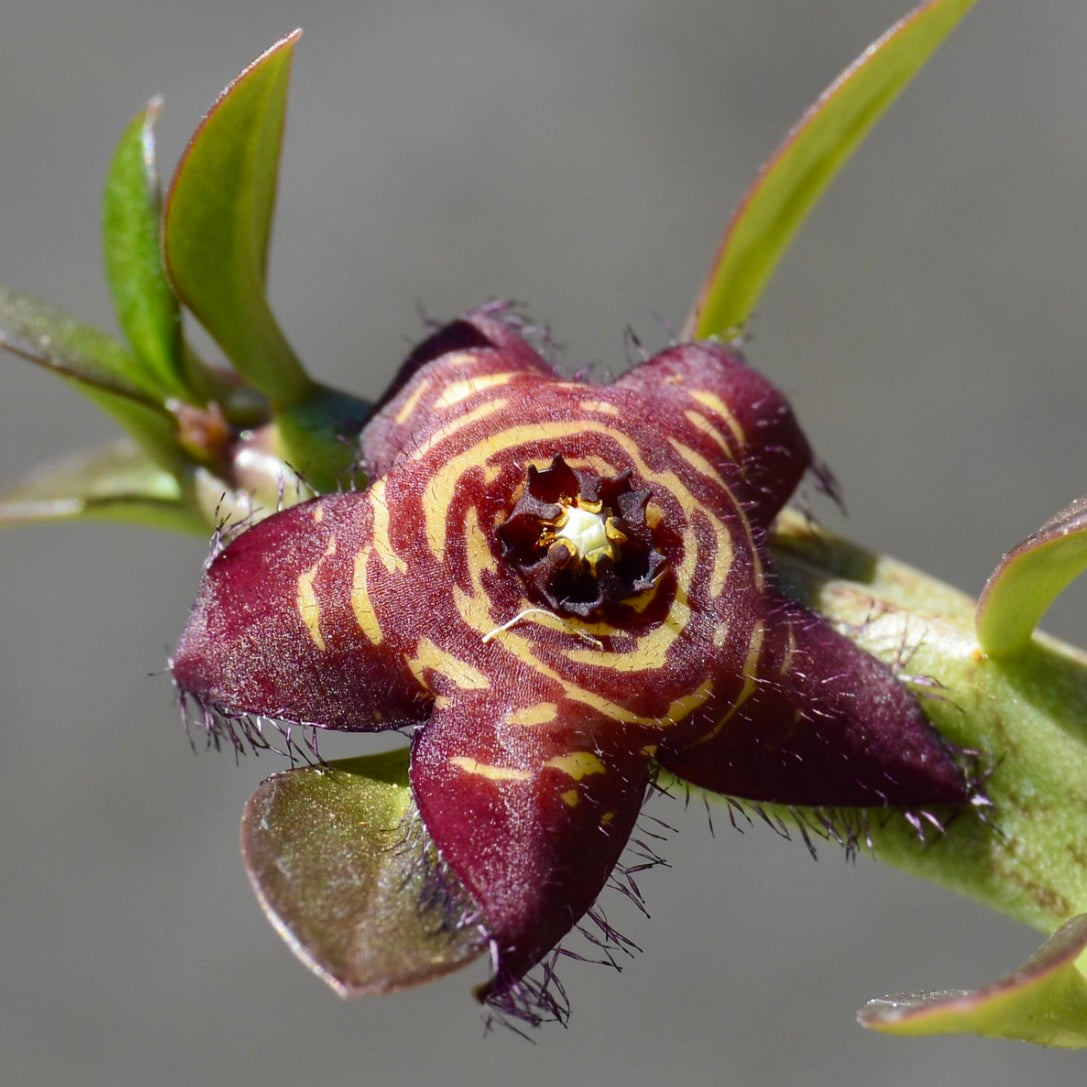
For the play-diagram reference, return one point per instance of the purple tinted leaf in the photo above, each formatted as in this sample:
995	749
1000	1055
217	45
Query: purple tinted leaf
336	858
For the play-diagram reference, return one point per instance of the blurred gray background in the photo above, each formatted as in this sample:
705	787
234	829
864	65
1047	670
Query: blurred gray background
581	157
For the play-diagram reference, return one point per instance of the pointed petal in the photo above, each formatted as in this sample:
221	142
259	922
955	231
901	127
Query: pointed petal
824	724
530	814
344	880
737	417
1026	715
1029	578
790	184
283	628
1044	1001
480	355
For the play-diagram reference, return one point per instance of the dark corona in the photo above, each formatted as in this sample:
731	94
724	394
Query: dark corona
580	542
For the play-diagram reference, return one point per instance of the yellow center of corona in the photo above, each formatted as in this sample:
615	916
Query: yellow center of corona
586	532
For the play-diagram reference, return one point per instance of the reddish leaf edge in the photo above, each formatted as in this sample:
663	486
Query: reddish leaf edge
1029	578
958	1010
691	328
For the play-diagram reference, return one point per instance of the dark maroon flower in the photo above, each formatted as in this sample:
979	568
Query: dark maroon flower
559	587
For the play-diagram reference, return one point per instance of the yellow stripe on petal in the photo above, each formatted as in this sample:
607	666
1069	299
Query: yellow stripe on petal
432	658
698	420
720	408
458	391
486	770
577	765
365	616
540	713
308	607
382	542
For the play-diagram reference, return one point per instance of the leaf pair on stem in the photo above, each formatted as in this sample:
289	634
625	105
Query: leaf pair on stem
204	443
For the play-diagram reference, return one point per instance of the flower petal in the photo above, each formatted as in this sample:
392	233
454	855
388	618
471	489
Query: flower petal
747	419
823	724
283	626
474	354
530	809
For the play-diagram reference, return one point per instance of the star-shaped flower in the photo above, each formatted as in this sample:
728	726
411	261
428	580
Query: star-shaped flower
559	587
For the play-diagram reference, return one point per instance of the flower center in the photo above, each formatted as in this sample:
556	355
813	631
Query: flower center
579	541
583	529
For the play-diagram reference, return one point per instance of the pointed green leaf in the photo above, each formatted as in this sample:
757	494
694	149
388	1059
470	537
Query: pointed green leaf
1043	1001
1029	578
218	223
96	365
117	482
146	307
792	181
334	856
48	336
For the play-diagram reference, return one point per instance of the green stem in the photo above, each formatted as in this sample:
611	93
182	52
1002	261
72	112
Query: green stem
1026	714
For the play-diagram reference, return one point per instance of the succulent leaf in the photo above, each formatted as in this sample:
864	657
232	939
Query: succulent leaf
1043	1001
1029	578
218	224
47	335
790	184
333	858
117	482
145	304
97	366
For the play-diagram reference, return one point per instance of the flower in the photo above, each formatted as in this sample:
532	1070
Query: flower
559	588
